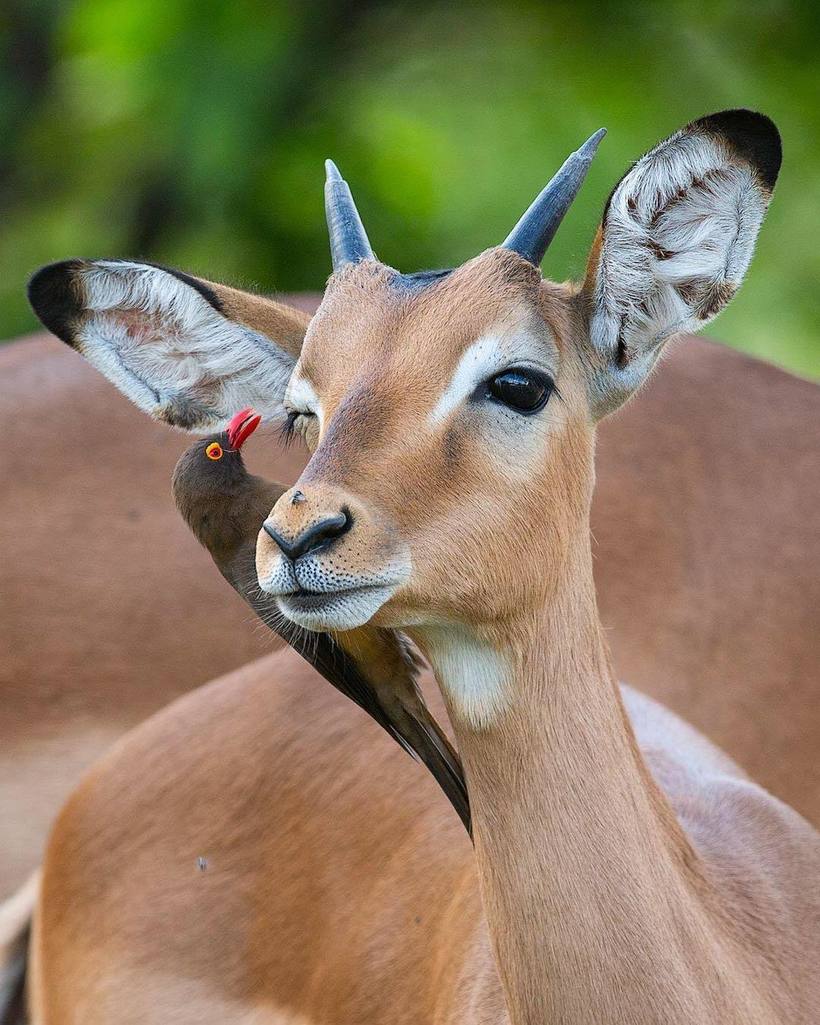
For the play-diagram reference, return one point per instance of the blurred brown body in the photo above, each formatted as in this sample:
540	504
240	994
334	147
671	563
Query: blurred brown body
706	549
698	517
653	585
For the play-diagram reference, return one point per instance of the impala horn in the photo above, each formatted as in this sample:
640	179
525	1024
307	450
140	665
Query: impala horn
348	239
532	235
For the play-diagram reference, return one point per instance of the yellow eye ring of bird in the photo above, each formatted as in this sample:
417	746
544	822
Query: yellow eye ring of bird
214	450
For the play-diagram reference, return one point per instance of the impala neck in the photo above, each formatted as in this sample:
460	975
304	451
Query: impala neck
593	896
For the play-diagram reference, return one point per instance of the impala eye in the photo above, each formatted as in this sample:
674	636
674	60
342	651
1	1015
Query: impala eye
522	389
295	422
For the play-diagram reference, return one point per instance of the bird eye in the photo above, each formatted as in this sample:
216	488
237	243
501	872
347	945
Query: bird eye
214	450
522	389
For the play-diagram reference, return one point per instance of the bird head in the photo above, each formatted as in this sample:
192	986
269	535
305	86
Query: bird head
211	474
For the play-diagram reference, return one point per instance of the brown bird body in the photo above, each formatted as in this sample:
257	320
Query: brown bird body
225	506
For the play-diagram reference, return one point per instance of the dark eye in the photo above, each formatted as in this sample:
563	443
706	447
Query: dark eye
522	389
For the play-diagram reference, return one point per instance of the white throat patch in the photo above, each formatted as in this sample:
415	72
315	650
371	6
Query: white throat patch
475	677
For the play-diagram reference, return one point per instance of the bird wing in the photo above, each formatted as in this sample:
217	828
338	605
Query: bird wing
428	742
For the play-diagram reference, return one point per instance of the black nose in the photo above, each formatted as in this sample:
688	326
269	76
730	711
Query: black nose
318	535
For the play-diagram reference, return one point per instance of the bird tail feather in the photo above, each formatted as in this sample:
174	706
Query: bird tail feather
15	929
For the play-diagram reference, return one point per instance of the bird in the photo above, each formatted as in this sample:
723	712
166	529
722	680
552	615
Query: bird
225	505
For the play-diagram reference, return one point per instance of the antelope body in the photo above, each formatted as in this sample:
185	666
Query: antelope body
629	872
732	471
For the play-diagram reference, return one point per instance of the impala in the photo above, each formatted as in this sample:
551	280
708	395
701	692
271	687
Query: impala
629	871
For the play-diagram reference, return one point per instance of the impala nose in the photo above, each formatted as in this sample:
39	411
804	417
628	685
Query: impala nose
316	536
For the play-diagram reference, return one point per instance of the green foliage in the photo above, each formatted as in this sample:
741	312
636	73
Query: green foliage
193	133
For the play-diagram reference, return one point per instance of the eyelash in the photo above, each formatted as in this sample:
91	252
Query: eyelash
287	432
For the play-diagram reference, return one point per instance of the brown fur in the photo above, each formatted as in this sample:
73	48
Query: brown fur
283	321
273	812
463	982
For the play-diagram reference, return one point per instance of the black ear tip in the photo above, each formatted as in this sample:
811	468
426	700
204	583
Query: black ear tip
753	135
53	297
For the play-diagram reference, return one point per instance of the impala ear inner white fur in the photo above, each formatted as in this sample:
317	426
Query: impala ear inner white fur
163	339
677	237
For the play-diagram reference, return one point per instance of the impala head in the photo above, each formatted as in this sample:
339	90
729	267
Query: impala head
450	415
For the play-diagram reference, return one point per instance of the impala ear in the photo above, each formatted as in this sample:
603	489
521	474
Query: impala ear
188	352
677	236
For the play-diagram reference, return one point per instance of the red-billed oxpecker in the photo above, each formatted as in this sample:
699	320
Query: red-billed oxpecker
224	505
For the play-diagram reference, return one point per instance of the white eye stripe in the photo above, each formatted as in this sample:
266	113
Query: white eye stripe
481	360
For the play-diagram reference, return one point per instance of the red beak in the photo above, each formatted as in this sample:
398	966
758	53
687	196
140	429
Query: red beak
242	427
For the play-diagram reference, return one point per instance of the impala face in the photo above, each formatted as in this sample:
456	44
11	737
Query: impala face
452	447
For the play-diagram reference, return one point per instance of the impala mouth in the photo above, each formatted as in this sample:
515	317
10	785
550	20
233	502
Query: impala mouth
334	610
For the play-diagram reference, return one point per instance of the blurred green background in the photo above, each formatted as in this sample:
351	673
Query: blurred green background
193	133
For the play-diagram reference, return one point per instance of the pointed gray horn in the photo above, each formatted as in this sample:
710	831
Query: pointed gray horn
348	239
532	235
